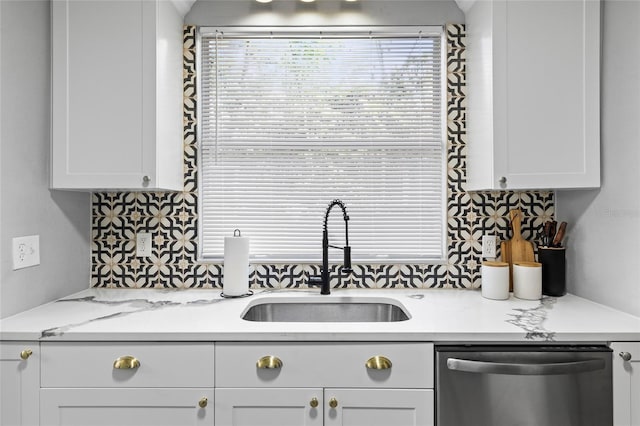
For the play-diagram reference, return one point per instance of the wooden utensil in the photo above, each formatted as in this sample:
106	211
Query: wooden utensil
557	241
517	249
552	231
546	231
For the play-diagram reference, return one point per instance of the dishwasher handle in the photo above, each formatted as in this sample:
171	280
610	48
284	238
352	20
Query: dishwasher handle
519	369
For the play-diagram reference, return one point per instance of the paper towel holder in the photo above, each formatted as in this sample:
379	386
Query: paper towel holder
236	233
247	294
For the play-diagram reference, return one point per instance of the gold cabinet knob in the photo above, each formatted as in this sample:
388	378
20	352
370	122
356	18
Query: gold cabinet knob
269	361
26	353
203	402
126	362
333	403
378	362
314	402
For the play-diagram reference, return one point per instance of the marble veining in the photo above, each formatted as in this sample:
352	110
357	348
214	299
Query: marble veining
144	303
138	305
531	319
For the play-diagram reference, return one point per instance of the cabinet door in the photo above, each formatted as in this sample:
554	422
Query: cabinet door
551	119
379	407
268	407
20	383
626	384
97	93
534	94
126	407
115	99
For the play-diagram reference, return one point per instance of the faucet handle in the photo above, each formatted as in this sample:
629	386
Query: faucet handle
347	260
314	281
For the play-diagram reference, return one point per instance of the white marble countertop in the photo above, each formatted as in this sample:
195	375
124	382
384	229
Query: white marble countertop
202	315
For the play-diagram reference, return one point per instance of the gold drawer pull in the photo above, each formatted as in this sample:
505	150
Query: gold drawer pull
126	362
333	403
378	362
269	361
203	402
26	353
314	402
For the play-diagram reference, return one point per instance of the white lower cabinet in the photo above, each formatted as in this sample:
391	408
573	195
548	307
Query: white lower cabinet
329	407
135	407
127	384
20	382
626	383
241	383
320	383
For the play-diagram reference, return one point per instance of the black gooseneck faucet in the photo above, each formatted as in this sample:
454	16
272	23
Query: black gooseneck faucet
324	279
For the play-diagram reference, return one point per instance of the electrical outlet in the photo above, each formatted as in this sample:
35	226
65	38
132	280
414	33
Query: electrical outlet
489	246
143	244
26	251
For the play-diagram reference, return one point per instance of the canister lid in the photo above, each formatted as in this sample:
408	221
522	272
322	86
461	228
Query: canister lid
494	263
528	264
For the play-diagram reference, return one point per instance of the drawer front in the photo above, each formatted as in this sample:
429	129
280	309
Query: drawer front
305	364
114	407
75	364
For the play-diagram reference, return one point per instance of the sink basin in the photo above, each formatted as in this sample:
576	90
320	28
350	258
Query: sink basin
323	309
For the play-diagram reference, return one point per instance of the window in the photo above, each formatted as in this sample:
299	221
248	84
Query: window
292	118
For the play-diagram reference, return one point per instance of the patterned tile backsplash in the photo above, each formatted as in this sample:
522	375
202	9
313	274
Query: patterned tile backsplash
172	217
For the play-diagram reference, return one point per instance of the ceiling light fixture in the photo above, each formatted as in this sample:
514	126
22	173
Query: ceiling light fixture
307	1
264	1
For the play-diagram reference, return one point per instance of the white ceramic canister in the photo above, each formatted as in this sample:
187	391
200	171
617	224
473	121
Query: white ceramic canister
527	280
495	280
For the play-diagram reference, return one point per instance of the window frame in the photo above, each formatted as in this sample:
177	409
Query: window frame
399	31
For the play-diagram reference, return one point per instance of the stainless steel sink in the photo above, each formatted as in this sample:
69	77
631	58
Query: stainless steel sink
325	309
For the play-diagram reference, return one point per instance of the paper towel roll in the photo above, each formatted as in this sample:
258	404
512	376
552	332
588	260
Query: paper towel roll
236	266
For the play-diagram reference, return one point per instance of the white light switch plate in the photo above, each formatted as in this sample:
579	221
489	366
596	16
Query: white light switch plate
26	251
143	244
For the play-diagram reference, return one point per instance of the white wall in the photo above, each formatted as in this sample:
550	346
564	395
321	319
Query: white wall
325	12
604	243
27	206
604	237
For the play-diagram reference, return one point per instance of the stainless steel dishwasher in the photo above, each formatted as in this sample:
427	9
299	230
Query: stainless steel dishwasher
523	386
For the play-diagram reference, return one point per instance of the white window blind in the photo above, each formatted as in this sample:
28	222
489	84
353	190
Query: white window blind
291	119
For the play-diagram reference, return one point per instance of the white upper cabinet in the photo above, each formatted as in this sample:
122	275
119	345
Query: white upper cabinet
533	79
117	95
